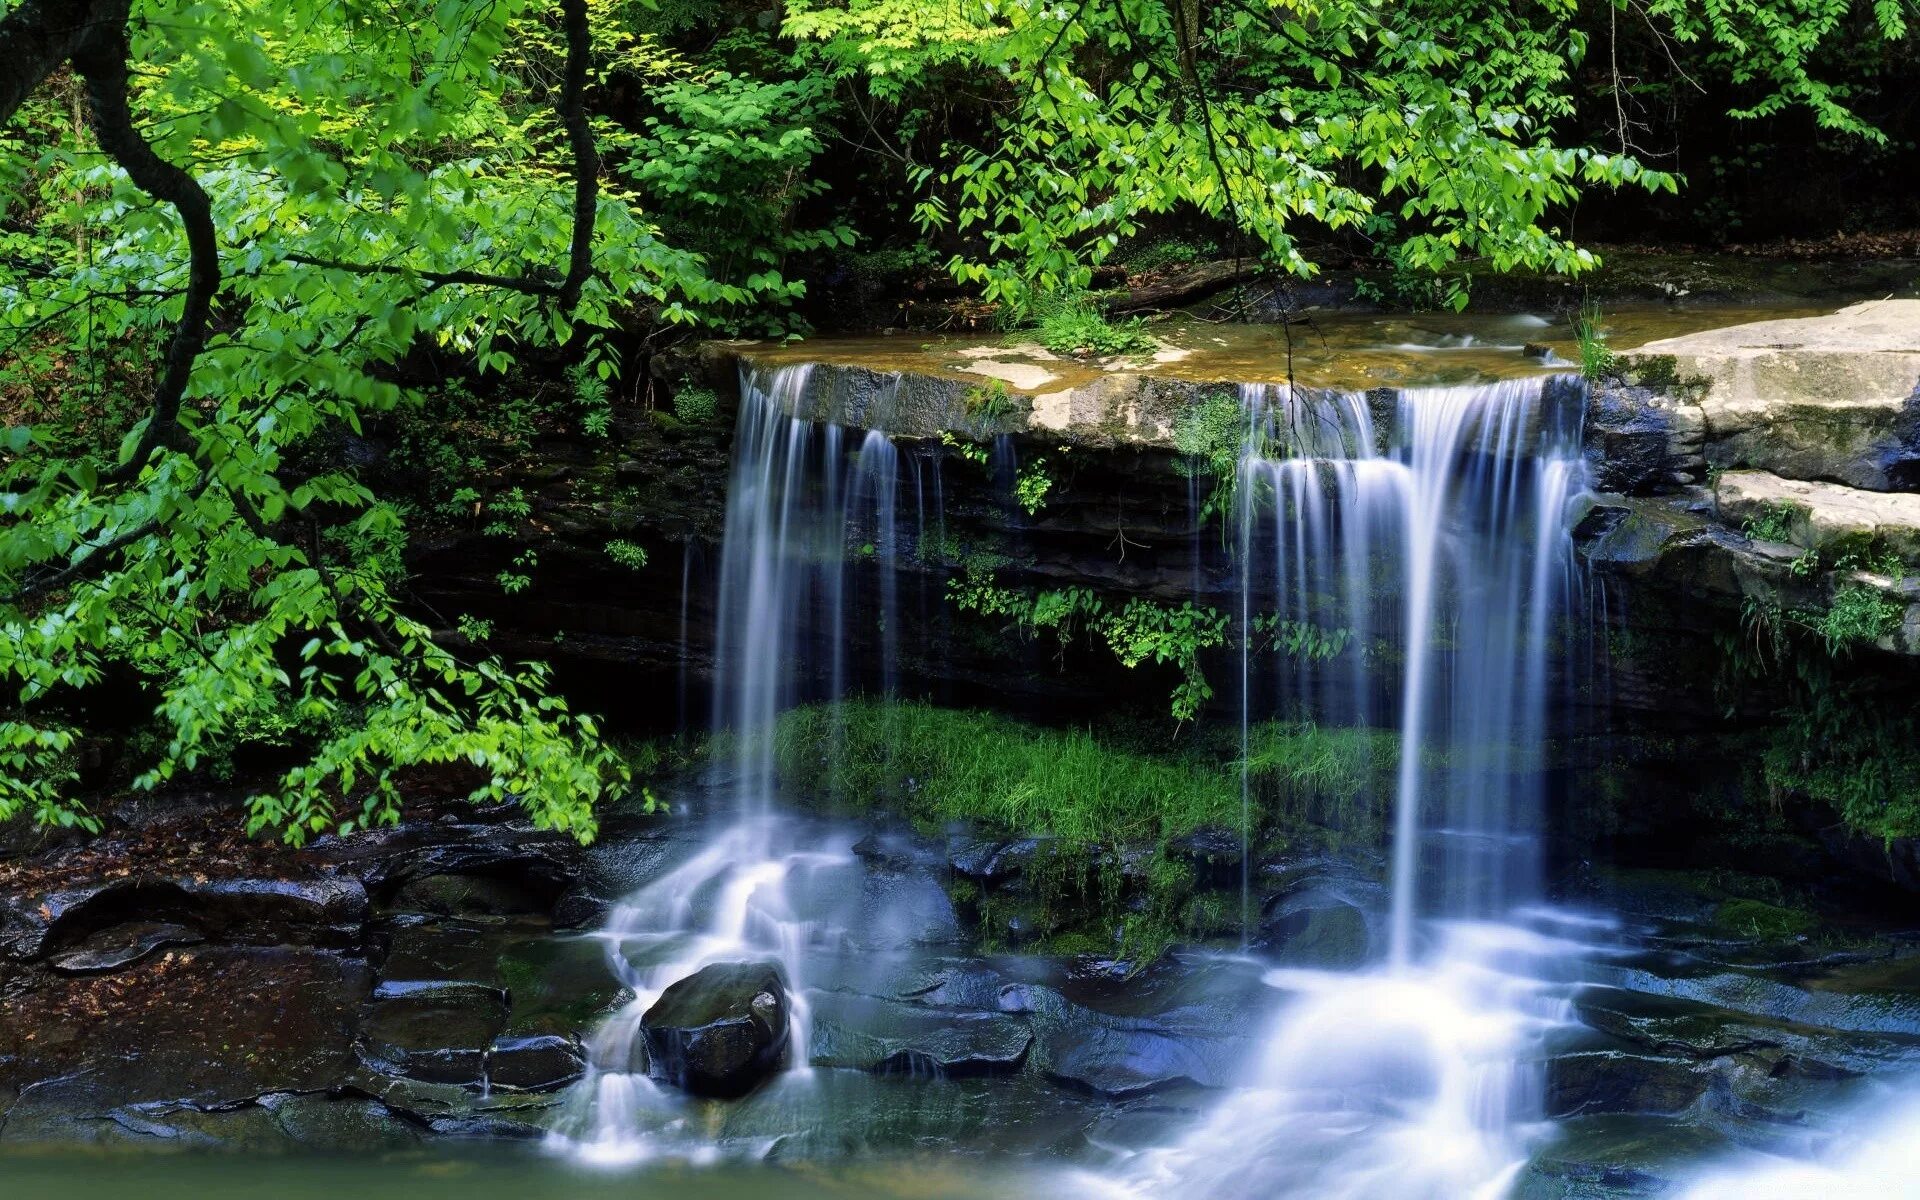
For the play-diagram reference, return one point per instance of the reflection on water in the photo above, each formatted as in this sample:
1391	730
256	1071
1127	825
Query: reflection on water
478	1173
1326	350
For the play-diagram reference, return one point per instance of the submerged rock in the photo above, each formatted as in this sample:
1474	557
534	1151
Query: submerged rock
720	1031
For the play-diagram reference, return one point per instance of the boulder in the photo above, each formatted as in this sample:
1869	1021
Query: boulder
720	1031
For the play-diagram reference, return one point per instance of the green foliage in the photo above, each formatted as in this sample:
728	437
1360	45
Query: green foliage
971	451
1418	125
1169	254
1031	485
627	554
1302	640
1857	615
1839	739
1072	323
725	163
696	405
1211	436
1141	631
989	400
936	765
1774	522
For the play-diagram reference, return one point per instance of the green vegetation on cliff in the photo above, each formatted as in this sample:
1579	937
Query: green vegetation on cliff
252	254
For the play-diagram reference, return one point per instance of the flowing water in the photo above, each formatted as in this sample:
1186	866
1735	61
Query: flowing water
1404	565
796	501
1440	543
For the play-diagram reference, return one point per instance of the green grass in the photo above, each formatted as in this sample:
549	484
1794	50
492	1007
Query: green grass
1758	919
1773	522
936	765
1086	798
1596	357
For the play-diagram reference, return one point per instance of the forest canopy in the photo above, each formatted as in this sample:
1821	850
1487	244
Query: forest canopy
236	237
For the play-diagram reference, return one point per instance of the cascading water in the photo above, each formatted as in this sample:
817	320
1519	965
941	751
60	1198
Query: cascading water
1443	548
809	522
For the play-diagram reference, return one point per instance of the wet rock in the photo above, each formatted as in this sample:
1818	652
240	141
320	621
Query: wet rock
206	1025
1605	1081
343	1124
579	908
866	1033
1640	441
534	863
123	945
467	895
534	1064
1603	1157
323	911
1215	855
1317	927
989	860
720	1031
1682	1027
437	1031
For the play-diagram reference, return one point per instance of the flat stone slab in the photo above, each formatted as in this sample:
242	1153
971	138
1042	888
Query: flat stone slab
1824	516
1865	353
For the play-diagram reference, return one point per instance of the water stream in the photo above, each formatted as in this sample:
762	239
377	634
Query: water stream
796	501
1422	547
1440	543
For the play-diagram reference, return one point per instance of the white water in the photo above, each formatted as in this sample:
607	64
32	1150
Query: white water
1876	1156
1421	1078
1415	1079
797	502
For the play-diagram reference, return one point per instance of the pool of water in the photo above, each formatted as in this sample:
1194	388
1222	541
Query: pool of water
482	1173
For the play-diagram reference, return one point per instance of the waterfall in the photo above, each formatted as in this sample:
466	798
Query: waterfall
1437	547
812	526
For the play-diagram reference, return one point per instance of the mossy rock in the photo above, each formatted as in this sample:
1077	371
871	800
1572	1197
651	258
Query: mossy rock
1757	918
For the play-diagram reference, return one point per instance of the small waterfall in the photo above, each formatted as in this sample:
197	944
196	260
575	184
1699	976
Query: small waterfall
811	527
1443	550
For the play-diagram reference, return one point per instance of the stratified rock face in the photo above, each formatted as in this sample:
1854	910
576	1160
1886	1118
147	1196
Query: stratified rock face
720	1031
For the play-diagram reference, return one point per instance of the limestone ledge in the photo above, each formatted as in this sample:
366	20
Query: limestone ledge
1833	398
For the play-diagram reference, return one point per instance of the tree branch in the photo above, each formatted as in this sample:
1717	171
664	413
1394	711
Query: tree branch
532	285
101	59
586	157
39	35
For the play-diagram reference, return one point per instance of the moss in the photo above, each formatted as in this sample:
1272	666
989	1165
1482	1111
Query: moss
1756	918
